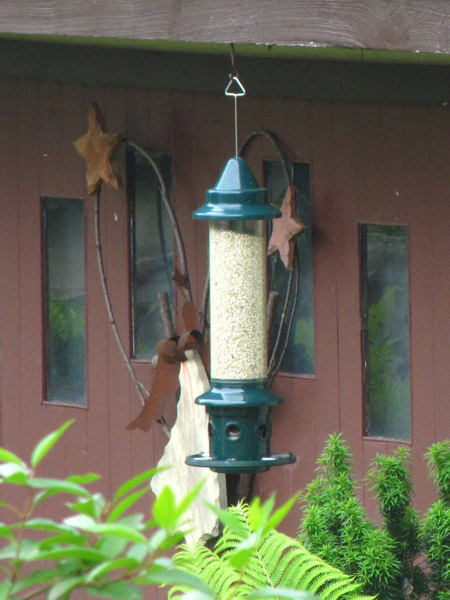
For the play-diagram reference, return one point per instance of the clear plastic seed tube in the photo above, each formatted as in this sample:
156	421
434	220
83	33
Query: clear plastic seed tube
238	300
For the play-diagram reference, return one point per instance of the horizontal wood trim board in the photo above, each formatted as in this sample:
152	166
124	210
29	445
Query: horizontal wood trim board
289	78
422	25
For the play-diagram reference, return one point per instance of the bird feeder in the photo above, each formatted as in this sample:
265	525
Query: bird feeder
239	404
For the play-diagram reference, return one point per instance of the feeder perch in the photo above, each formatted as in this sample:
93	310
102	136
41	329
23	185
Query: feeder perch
239	404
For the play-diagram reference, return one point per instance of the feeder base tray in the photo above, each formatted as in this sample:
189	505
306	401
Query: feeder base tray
232	465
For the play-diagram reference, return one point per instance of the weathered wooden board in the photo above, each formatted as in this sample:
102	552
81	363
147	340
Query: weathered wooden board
397	25
189	435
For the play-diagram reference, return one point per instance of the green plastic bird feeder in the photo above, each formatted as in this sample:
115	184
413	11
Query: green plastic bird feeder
239	404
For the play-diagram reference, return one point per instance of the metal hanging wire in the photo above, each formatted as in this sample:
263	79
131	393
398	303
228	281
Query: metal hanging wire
236	90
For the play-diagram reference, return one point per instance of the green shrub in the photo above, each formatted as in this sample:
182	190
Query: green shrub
335	526
406	557
435	531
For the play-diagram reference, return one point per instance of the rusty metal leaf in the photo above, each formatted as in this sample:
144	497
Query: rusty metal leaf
165	383
189	313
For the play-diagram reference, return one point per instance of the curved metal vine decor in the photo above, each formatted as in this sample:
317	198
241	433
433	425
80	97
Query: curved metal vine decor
293	286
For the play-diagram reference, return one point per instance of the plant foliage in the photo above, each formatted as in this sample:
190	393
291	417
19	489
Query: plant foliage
251	555
435	532
102	547
407	557
335	526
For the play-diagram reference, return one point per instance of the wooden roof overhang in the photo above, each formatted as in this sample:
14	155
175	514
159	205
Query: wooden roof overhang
288	27
361	50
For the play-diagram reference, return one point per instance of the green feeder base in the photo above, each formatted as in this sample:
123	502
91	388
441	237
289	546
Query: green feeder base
239	428
231	465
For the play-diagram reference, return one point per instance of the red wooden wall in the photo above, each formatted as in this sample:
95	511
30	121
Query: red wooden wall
370	162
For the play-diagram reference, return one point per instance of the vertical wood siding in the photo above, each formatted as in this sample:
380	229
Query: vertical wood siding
371	163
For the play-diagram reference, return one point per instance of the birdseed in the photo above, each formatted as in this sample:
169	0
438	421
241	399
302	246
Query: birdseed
238	300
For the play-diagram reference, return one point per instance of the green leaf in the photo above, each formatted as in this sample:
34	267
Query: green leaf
5	589
46	444
7	456
41	496
267	507
9	551
64	586
190	497
111	565
14	473
119	530
170	541
230	520
281	594
87	506
138	552
41	576
5	531
163	562
70	537
239	559
81	522
135	481
198	595
72	553
85	523
135	520
279	515
46	525
113	546
164	509
84	479
125	504
177	576
58	486
28	550
255	514
243	552
116	591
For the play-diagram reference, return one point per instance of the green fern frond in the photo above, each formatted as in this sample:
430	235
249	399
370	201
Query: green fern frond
340	589
209	567
279	561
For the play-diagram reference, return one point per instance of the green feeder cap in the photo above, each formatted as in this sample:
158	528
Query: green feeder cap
237	196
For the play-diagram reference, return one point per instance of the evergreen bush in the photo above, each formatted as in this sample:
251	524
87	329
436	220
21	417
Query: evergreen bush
407	557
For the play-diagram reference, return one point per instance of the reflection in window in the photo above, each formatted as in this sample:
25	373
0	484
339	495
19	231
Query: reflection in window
64	300
300	355
385	308
151	251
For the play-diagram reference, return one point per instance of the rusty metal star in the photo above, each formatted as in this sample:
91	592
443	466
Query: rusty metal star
99	150
286	229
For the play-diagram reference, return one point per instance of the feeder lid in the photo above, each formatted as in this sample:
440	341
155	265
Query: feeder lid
237	196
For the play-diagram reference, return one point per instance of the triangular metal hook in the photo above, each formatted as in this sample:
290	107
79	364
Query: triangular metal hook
238	87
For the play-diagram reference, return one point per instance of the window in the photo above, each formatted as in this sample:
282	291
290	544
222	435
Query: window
151	251
64	300
300	355
385	316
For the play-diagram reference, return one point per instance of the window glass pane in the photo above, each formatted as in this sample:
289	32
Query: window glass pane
64	290
151	251
385	307
300	354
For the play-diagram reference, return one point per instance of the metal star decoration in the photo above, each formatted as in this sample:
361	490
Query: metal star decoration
286	229
99	150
